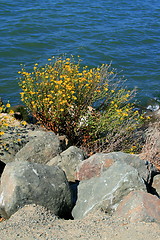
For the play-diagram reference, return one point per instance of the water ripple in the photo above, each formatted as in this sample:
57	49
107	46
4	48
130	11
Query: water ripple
124	32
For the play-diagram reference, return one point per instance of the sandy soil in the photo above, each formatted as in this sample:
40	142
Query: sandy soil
35	223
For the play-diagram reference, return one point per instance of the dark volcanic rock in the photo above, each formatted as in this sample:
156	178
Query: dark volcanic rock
31	183
40	149
15	138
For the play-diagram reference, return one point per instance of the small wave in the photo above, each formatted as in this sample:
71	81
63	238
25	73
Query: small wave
153	108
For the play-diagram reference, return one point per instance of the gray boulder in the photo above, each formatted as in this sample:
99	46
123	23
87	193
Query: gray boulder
41	149
15	138
107	190
99	162
156	185
68	161
31	183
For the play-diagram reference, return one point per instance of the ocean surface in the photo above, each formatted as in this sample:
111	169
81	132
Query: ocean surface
124	32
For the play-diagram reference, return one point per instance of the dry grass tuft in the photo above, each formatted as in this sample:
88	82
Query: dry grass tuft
151	149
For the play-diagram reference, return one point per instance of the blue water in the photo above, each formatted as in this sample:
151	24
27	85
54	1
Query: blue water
125	32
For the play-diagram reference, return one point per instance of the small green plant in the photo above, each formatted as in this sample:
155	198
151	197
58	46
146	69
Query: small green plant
4	108
3	117
7	118
85	104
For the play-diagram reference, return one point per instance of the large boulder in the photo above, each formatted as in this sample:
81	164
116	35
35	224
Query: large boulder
93	166
156	185
99	162
2	166
40	149
107	190
139	206
68	160
31	183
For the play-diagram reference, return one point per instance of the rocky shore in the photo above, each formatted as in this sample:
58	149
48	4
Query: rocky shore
50	190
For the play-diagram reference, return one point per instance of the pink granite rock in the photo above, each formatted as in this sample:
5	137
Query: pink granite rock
100	162
93	166
139	206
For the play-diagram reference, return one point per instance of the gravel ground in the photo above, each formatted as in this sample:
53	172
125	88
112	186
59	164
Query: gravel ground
35	223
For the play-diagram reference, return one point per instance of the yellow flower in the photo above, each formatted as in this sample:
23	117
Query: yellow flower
69	87
134	146
24	123
1	133
59	82
64	101
32	93
11	112
8	105
125	114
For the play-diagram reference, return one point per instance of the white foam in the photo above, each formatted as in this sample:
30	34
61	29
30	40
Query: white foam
153	107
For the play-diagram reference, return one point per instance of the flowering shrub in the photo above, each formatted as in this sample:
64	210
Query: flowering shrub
84	104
